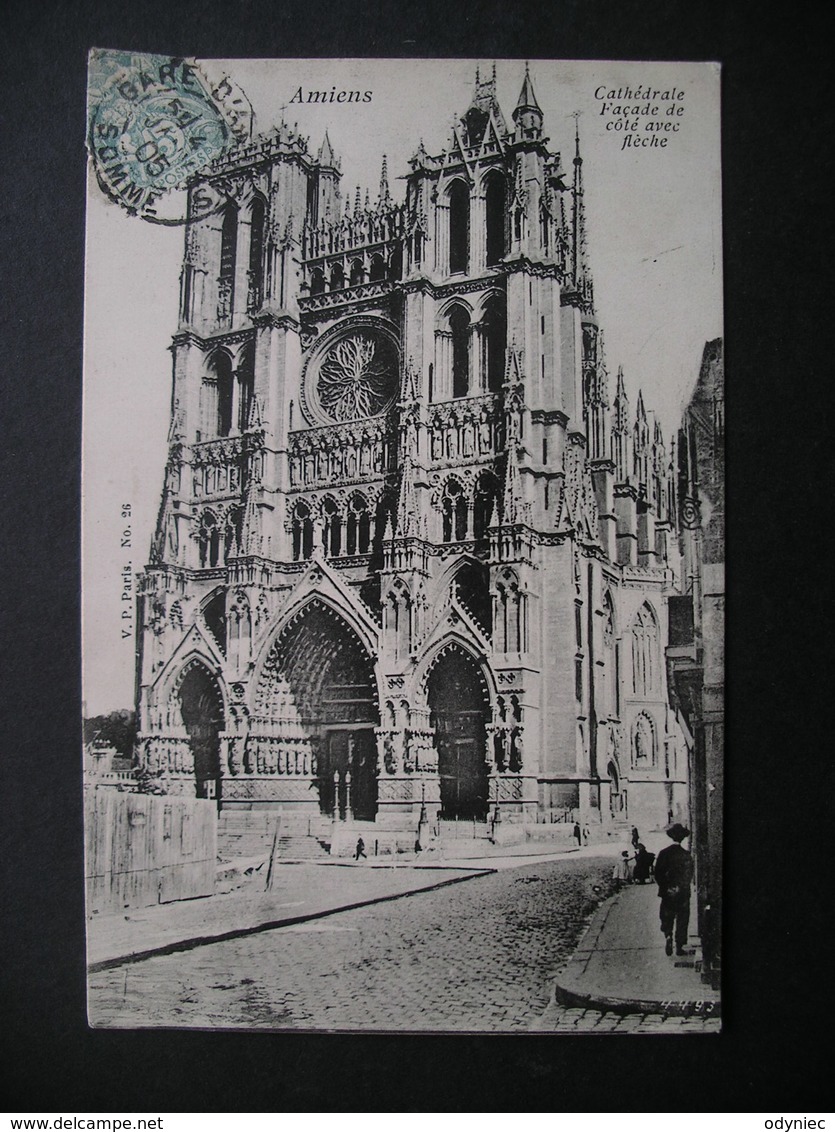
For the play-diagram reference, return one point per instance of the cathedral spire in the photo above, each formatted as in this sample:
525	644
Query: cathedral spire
579	242
528	113
527	98
385	194
326	154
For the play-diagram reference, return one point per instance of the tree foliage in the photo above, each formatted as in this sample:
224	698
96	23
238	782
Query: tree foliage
117	728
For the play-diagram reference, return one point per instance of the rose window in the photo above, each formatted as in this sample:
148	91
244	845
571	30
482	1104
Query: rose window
357	376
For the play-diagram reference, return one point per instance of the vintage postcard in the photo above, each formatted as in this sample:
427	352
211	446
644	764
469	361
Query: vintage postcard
403	545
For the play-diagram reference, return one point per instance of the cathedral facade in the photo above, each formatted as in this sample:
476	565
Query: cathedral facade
410	555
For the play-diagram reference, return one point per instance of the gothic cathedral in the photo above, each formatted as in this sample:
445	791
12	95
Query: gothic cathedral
409	557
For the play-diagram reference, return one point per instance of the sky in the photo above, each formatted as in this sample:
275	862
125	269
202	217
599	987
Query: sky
655	246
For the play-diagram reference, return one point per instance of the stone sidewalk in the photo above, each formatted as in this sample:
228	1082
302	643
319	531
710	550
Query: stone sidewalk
303	890
300	892
620	967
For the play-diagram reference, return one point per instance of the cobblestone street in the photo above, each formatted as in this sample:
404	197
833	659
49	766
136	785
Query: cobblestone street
476	956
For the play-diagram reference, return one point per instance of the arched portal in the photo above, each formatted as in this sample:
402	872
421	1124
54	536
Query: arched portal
201	705
318	688
459	709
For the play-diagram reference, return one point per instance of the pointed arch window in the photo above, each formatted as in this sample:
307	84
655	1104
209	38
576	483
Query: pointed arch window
317	281
496	197
257	216
459	227
358	526
357	275
209	540
495	343
400	619
378	269
220	369
302	531
454	509
331	529
510	614
484	502
234	527
228	258
246	389
459	325
337	277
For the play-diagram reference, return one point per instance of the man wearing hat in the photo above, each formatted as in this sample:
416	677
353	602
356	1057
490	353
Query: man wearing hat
674	875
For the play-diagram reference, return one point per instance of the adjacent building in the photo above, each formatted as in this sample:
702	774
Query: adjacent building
695	656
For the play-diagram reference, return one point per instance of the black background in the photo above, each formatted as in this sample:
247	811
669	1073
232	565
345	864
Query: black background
778	239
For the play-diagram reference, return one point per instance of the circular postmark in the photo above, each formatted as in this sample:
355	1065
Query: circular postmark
153	122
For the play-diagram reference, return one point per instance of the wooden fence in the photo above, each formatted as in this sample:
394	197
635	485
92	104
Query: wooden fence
145	849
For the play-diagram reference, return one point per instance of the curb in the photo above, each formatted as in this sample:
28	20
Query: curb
193	942
565	995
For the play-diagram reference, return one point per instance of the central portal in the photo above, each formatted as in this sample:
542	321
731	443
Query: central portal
347	773
318	687
459	708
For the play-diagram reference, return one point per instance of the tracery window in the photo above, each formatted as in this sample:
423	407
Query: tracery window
400	619
317	281
216	396
302	526
459	227
511	614
378	269
645	656
234	527
331	529
357	275
358	526
209	539
454	510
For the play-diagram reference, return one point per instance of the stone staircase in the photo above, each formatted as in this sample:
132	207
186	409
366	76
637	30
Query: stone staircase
301	848
245	833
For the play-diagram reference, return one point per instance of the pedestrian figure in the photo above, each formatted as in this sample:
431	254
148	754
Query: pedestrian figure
586	834
636	837
674	874
360	849
643	864
578	833
622	871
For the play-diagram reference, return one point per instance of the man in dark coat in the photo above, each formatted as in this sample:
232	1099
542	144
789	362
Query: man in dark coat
674	875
